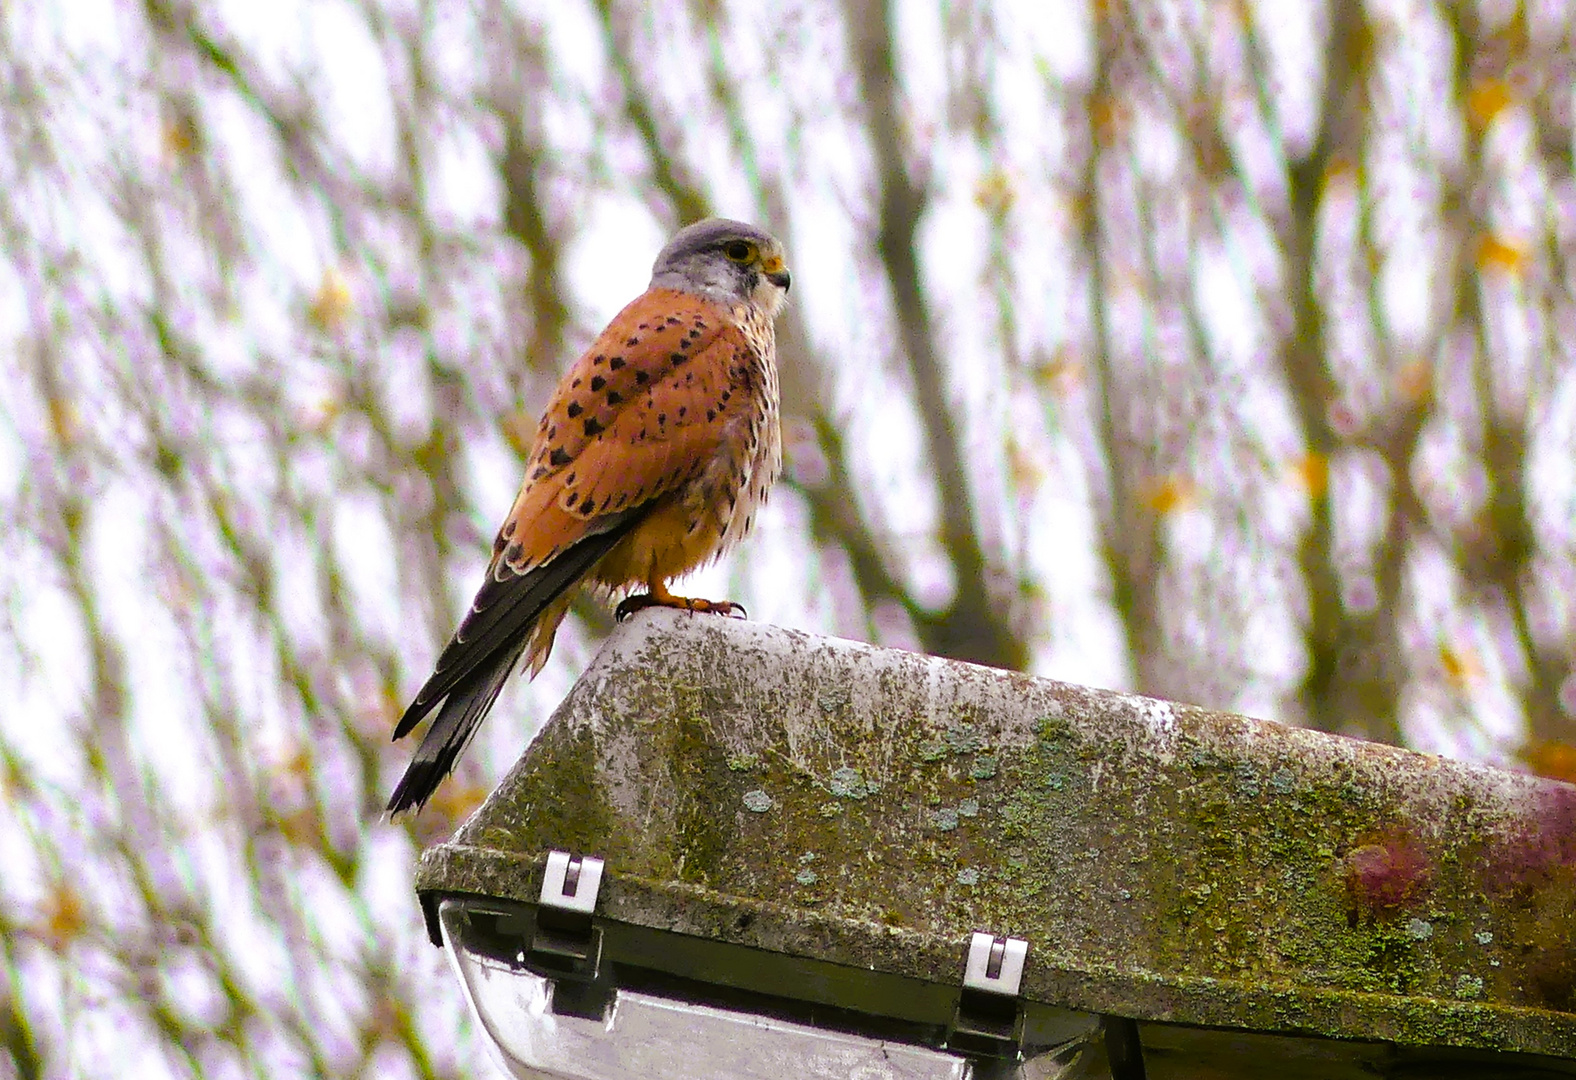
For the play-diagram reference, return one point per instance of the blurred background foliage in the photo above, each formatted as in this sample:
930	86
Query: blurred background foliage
1215	350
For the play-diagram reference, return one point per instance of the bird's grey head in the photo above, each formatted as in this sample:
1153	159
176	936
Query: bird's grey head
726	261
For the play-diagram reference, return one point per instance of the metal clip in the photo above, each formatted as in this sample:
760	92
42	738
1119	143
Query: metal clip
995	965
988	1021
566	945
571	882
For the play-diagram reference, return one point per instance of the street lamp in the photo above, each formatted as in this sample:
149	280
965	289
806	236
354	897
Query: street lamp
560	994
742	852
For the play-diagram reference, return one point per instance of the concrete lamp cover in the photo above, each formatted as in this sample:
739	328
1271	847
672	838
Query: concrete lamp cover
812	832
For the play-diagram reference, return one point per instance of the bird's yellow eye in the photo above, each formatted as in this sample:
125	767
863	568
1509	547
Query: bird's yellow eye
738	250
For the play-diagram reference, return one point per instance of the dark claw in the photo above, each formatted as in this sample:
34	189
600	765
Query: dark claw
631	604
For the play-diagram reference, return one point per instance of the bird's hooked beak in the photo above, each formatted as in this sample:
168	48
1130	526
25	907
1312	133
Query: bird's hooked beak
776	272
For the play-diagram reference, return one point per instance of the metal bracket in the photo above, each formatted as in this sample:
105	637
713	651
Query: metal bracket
989	1017
566	946
571	882
995	965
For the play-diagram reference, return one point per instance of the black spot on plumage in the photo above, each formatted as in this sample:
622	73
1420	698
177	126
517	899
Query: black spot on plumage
682	410
618	503
616	363
558	458
575	409
569	481
662	419
593	426
588	505
597	382
643	326
711	414
641	378
632	342
694	335
513	552
508	527
575	385
677	358
674	321
538	472
614	397
499	543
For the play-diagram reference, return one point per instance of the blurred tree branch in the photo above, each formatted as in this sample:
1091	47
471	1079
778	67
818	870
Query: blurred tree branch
1352	681
976	625
1498	549
1130	529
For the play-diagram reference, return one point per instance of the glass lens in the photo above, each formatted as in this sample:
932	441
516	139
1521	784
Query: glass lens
546	1030
647	1037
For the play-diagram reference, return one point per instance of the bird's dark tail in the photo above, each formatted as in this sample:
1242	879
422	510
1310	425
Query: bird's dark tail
475	664
462	713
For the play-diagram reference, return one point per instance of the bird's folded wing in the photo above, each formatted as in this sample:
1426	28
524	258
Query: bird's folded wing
644	410
641	412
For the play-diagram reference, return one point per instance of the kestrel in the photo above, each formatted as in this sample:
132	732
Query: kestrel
657	449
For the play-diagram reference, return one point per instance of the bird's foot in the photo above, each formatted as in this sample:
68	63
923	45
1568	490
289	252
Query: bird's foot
641	601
